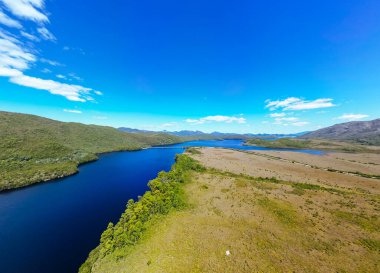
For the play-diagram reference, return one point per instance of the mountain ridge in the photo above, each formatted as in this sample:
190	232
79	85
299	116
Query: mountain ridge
363	132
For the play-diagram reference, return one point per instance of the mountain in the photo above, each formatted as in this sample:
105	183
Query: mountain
213	135
363	132
185	133
35	149
131	130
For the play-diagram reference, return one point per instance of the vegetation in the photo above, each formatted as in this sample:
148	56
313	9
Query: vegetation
35	149
315	144
262	224
165	195
280	143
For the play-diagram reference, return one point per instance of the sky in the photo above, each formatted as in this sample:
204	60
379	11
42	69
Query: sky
229	66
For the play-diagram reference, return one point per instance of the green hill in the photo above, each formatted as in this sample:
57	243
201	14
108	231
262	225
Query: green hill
35	149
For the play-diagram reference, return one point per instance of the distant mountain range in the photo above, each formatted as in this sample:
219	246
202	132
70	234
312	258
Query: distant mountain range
188	133
364	132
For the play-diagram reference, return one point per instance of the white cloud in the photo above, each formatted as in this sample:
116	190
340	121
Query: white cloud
13	55
276	115
350	117
70	91
293	103
29	36
72	111
46	34
16	56
169	124
217	118
9	72
27	9
50	62
60	76
75	77
8	21
46	70
287	119
300	123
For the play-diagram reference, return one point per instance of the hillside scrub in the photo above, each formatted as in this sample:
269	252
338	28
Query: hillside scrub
35	149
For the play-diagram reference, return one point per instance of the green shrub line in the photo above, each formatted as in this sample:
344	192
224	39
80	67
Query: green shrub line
165	195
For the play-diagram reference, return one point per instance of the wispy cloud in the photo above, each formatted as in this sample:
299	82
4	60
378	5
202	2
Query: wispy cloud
70	91
287	119
276	115
75	77
169	124
13	56
72	111
46	34
46	70
295	104
50	62
27	9
217	118
300	123
350	117
29	36
8	21
283	120
17	56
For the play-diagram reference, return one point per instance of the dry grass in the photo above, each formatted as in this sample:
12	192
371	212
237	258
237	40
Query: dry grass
267	225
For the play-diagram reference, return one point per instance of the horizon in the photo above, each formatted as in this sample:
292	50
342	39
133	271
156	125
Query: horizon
247	68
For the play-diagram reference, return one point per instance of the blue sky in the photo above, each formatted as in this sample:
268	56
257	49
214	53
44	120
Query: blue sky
243	66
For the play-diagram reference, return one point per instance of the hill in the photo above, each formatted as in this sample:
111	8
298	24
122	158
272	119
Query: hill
363	132
35	149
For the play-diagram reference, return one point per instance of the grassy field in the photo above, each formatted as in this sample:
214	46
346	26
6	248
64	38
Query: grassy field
265	224
35	149
316	144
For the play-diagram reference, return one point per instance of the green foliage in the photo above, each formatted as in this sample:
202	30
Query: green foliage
371	224
371	244
165	194
35	149
193	151
283	212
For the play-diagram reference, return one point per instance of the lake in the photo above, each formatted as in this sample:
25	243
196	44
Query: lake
52	226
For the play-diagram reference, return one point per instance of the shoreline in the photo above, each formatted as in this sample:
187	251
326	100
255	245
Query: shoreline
97	155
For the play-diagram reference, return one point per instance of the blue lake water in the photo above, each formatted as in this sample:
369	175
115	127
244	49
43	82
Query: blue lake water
51	227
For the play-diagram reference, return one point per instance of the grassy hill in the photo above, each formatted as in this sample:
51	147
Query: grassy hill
35	149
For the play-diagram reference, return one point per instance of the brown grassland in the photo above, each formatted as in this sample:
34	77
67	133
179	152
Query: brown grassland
274	212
